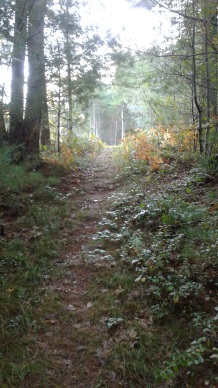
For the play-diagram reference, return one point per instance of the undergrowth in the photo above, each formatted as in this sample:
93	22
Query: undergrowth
74	150
162	230
32	214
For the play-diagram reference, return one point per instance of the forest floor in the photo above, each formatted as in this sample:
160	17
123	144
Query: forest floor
74	342
109	275
99	330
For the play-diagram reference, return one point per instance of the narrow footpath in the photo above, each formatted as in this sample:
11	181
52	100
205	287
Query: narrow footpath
73	340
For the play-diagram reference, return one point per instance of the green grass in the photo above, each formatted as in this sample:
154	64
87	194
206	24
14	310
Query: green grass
138	361
37	215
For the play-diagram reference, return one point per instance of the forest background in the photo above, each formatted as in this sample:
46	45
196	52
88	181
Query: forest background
67	80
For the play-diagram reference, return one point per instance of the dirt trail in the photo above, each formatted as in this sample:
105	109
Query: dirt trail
71	338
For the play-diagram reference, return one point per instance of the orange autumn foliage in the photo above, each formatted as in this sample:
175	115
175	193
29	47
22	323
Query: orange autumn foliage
183	139
148	146
140	147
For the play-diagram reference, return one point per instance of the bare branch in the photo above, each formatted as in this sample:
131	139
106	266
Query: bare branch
184	15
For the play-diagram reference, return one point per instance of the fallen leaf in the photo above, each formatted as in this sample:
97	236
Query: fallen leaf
214	207
51	321
176	298
112	376
101	354
132	333
67	362
111	322
80	348
145	322
105	290
10	290
70	307
119	291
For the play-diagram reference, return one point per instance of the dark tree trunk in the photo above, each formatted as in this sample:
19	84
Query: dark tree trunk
3	133
59	111
68	53
16	132
45	129
194	85
214	81
70	99
35	92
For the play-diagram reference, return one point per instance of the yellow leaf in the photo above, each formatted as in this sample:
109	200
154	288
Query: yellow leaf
51	321
214	207
10	290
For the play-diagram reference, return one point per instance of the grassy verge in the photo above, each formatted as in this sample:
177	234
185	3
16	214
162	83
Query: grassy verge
33	216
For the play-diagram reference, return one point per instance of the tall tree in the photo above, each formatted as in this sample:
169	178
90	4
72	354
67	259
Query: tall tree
80	63
16	132
3	134
192	60
44	127
36	76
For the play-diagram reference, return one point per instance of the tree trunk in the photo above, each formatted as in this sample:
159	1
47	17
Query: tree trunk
122	122
213	33
45	129
59	111
116	128
194	83
69	64
94	117
16	132
35	91
3	133
207	87
70	100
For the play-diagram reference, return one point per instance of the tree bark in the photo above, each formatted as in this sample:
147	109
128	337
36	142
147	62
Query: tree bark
3	133
194	81
70	99
36	77
59	108
213	32
122	122
45	128
16	131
